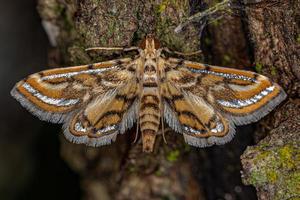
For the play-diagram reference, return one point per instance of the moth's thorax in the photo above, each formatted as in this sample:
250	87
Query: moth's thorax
150	71
150	48
150	56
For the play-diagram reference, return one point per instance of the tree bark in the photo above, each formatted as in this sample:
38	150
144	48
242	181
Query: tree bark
225	43
272	165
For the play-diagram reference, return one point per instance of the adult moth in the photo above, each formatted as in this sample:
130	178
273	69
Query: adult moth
96	102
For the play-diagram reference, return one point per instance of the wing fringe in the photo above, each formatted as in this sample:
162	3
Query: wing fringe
212	140
258	114
85	139
171	118
41	114
129	118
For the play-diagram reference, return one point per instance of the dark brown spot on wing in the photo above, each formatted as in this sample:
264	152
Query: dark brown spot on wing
131	69
90	66
177	97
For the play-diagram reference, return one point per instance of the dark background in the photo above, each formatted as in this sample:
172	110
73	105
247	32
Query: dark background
30	164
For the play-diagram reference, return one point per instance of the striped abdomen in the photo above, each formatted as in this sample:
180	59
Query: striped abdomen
150	109
149	118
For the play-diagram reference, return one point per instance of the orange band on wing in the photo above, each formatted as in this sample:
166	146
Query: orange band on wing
77	68
47	91
42	105
255	106
255	89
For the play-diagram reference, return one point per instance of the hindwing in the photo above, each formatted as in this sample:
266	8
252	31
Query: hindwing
104	117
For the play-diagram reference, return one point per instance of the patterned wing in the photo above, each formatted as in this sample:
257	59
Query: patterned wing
204	102
95	102
52	94
104	117
193	116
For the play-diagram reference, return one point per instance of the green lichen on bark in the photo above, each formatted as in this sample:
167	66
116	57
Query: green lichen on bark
273	166
169	14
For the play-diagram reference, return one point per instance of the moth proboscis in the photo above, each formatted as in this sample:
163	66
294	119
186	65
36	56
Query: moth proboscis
97	102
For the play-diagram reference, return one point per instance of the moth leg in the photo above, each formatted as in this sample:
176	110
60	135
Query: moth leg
126	49
182	53
163	130
136	132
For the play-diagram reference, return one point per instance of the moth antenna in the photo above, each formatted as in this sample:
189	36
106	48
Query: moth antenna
131	49
112	48
182	53
188	53
105	48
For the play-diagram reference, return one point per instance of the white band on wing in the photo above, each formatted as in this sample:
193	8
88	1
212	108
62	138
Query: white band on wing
48	100
70	74
225	75
236	103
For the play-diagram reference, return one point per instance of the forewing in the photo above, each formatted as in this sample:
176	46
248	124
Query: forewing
204	99
242	96
104	117
53	94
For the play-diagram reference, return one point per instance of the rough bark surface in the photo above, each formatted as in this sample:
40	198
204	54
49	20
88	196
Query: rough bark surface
272	166
175	170
225	43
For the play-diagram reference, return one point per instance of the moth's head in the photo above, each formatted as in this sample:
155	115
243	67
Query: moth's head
149	43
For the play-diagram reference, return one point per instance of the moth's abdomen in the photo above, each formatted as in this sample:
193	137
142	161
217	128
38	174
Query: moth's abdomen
150	104
149	118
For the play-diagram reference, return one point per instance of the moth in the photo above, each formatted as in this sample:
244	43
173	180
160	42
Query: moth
97	102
